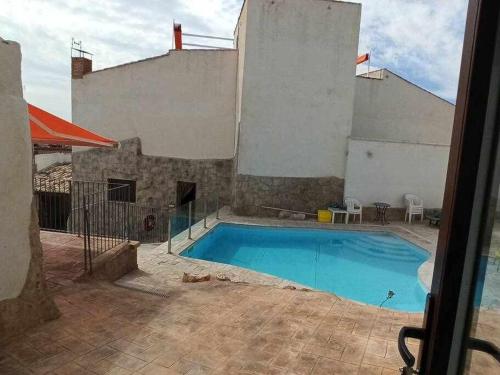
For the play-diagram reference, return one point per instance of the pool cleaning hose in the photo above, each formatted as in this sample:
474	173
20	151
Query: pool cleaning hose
390	294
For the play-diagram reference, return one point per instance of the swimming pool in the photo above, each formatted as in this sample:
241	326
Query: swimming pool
362	266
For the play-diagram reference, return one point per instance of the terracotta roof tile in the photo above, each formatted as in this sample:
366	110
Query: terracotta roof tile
55	178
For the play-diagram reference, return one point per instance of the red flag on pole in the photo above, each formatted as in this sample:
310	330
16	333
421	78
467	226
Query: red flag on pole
362	58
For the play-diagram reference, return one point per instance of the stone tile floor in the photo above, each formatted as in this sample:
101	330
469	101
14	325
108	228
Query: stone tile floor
215	328
62	258
208	328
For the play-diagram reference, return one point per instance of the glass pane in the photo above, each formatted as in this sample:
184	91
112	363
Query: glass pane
199	208
180	220
486	318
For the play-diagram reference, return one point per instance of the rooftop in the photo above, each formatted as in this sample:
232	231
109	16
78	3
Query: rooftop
379	75
55	178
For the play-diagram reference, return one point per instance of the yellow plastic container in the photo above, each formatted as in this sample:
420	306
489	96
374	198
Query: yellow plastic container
324	216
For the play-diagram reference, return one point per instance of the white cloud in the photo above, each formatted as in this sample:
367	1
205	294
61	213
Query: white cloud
115	31
419	39
219	15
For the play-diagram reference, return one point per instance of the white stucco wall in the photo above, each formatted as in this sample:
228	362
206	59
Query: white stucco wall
15	169
384	171
395	109
297	87
180	105
240	35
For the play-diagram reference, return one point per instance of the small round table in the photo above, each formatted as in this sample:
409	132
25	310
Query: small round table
381	209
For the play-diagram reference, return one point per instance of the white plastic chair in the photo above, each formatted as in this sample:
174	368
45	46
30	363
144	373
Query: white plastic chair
353	207
414	206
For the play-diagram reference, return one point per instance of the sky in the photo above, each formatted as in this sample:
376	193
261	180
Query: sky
421	40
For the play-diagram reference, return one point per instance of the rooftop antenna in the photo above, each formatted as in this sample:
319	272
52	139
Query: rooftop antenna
76	46
173	24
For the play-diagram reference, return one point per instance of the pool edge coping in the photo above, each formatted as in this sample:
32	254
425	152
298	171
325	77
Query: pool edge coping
199	232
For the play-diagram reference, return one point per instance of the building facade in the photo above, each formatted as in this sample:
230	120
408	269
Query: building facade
278	121
399	143
175	117
296	101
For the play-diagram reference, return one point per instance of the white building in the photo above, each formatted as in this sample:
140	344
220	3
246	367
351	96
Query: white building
24	300
280	120
399	143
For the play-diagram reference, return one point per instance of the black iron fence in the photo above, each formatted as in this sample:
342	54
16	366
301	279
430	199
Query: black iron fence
102	213
149	224
53	201
106	214
60	202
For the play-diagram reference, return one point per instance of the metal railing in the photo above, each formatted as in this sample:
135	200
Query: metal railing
186	216
103	214
59	202
106	220
148	224
53	202
197	37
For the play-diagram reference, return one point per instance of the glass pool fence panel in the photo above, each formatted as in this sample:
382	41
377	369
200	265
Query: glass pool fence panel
106	218
180	217
199	208
148	224
192	215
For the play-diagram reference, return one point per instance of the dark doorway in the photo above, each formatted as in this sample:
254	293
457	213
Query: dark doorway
186	192
53	210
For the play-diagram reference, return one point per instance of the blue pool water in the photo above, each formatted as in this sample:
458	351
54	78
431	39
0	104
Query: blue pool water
362	266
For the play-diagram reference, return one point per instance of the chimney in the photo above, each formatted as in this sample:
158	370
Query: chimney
80	66
178	35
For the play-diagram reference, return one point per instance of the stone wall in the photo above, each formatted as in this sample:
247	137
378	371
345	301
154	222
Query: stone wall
34	305
293	193
115	263
156	177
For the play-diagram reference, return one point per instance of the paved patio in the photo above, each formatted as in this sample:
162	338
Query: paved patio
214	327
62	258
208	328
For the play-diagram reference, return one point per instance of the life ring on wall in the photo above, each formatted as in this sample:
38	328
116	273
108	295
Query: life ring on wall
149	223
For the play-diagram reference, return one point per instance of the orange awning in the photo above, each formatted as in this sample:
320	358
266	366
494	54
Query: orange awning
52	130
